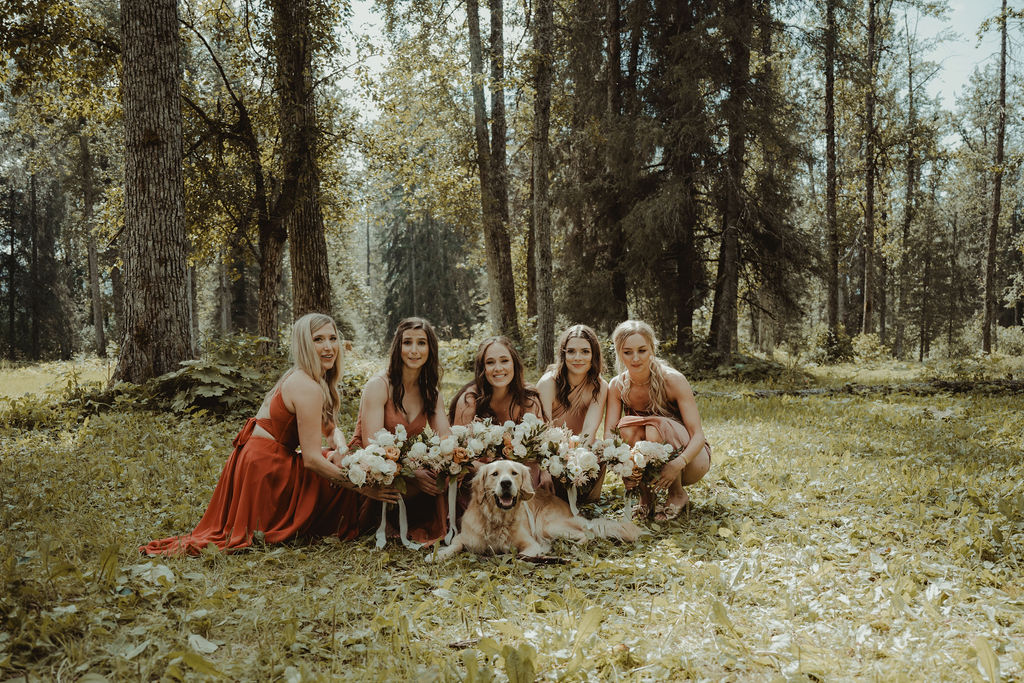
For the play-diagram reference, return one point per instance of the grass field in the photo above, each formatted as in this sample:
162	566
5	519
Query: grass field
835	538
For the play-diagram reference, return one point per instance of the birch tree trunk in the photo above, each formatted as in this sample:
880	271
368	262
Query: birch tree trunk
157	335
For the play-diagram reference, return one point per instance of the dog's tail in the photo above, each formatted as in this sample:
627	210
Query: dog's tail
613	528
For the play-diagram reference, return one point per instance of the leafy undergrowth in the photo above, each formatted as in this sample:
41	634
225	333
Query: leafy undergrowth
834	538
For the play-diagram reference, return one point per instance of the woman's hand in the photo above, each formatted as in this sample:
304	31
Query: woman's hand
335	457
427	482
669	473
387	494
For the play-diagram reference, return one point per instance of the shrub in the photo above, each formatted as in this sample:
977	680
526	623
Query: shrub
869	348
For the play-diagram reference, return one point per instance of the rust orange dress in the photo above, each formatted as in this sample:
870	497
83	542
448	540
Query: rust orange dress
265	487
428	515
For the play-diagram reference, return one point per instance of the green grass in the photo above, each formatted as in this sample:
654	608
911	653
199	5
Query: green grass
19	379
834	538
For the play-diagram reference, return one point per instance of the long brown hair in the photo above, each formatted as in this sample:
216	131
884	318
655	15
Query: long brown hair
562	387
482	390
429	380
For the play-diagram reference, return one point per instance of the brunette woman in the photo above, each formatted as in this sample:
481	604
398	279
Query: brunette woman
408	393
573	392
649	400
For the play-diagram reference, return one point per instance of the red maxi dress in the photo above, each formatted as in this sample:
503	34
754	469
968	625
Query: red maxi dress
265	487
428	515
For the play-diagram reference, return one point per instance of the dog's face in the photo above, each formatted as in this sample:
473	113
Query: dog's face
504	483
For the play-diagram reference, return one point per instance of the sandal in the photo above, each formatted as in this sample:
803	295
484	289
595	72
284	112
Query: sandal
670	511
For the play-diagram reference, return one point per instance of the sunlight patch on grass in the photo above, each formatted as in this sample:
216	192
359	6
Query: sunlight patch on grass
19	379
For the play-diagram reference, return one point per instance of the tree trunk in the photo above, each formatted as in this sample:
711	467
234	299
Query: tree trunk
724	314
997	189
497	245
35	295
157	335
615	211
88	201
304	222
910	192
831	184
867	323
544	29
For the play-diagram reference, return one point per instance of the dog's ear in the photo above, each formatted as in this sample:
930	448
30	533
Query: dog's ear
476	489
526	490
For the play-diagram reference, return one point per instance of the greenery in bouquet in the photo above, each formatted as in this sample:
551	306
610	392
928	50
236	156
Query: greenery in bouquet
523	441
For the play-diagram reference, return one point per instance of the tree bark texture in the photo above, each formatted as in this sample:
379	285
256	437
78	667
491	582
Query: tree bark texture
831	183
88	202
304	222
543	27
724	319
493	199
910	192
867	312
157	335
993	231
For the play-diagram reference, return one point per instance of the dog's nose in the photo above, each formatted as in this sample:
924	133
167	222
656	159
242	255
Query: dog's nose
506	484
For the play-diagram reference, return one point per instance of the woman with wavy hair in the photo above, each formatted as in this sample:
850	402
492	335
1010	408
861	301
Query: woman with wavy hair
267	486
408	393
649	400
573	392
498	389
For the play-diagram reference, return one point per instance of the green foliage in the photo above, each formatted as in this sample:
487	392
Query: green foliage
868	348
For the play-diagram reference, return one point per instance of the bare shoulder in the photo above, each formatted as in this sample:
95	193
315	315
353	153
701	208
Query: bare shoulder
299	389
376	388
677	383
615	384
547	379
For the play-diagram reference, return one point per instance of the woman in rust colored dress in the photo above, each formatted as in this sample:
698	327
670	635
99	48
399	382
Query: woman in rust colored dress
498	391
651	401
573	393
267	486
408	393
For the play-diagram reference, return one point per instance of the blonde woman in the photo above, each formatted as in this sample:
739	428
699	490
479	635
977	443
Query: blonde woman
649	400
268	486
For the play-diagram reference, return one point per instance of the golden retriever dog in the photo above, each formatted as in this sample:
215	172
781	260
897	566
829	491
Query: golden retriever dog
505	514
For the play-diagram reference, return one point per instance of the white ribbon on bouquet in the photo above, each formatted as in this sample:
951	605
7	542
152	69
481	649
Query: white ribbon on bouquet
403	526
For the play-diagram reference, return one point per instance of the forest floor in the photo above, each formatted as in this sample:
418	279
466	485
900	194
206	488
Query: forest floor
835	537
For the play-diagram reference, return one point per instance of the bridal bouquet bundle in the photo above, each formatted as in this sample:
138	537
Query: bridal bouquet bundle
377	464
569	462
644	459
523	441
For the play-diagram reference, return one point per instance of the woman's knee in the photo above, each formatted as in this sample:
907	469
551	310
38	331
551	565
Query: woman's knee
696	470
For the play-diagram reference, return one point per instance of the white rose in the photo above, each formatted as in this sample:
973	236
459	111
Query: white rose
454	468
555	468
448	445
357	476
460	432
400	432
519	450
509	424
588	461
418	450
384	438
476	446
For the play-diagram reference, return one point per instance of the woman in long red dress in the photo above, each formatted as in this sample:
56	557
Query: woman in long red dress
408	393
267	486
651	401
574	394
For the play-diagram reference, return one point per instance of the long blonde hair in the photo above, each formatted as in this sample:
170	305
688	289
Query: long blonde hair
305	358
657	390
